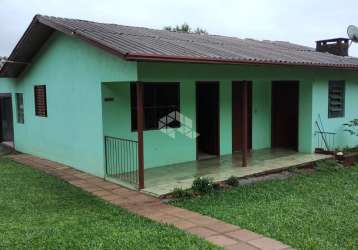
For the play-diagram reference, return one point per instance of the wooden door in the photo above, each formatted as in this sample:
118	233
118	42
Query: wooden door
7	133
207	118
284	112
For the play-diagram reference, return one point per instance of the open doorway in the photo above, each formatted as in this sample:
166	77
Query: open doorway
237	121
6	120
207	120
284	111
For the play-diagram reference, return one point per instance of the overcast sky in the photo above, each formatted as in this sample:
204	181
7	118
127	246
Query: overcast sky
298	21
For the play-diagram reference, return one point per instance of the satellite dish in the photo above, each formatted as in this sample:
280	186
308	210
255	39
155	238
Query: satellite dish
352	32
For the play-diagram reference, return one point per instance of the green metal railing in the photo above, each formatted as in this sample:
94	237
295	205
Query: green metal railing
121	158
325	141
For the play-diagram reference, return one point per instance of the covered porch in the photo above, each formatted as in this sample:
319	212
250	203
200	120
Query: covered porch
239	126
162	180
125	155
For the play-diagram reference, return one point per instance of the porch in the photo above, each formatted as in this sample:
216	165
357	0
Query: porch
160	181
215	119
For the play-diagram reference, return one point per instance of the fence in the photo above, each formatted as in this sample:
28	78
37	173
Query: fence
121	156
325	141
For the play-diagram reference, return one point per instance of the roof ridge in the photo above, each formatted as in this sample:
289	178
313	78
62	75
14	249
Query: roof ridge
143	27
173	32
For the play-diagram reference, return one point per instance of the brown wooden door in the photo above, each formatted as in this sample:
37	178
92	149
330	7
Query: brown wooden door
237	93
7	132
284	111
207	118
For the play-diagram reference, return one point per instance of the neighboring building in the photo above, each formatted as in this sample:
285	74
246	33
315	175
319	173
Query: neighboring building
2	61
71	85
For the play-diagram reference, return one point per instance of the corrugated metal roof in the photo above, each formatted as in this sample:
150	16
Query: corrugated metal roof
136	43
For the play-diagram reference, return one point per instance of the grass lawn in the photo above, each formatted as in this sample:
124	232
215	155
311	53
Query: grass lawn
316	210
42	212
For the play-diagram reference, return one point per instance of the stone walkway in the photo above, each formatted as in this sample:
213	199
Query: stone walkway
215	231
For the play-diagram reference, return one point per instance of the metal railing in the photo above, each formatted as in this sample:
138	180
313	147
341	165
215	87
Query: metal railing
325	141
121	157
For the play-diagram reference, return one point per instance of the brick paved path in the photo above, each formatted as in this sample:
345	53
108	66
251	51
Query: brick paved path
218	232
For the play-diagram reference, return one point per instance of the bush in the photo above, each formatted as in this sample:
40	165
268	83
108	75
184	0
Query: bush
348	149
351	127
216	186
180	193
293	169
203	185
232	181
328	165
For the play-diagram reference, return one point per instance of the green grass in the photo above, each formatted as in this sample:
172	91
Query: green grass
316	210
42	212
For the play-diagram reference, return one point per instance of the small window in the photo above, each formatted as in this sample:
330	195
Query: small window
159	101
20	107
336	98
40	100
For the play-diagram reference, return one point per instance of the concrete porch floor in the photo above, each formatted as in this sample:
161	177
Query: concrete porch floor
160	181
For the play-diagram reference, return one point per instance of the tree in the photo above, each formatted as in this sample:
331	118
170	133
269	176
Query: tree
200	31
185	28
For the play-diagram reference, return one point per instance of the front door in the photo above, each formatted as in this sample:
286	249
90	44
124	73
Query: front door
284	133
207	119
6	119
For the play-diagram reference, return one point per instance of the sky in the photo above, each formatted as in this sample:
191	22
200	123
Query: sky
297	21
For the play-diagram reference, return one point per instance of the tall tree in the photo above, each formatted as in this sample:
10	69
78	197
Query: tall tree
185	28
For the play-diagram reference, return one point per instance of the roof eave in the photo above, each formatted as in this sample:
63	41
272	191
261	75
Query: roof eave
39	19
160	58
14	51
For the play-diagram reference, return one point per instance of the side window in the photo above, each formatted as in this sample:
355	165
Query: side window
336	99
20	107
40	100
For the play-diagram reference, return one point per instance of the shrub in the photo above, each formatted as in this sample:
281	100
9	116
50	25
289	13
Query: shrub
293	169
348	149
351	127
216	186
232	181
180	193
328	165
203	185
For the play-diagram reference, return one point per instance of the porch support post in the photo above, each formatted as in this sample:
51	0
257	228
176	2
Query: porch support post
140	119
244	123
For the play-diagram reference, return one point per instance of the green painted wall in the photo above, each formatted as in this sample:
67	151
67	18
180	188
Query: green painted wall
261	114
320	107
305	144
7	85
72	72
225	117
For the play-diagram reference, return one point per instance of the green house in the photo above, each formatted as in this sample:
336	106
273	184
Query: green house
151	108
